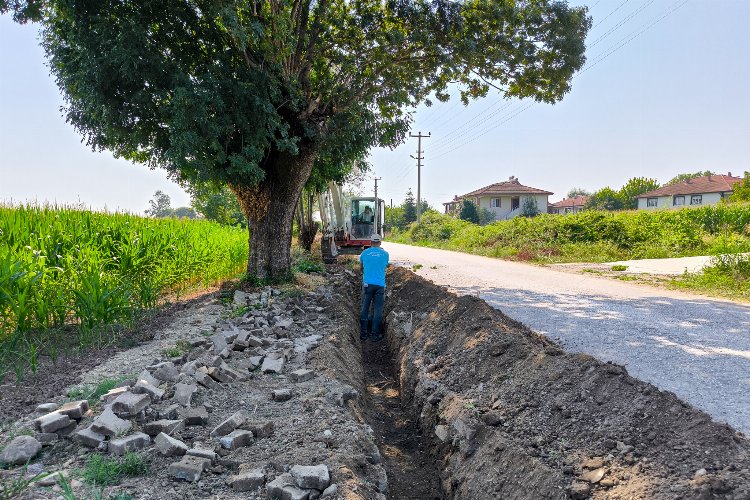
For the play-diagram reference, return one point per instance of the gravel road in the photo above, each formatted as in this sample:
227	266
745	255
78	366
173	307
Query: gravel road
696	347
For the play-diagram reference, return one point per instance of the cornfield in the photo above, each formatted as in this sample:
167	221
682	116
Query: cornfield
68	275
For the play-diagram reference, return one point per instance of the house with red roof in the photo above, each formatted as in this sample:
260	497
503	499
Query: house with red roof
504	199
568	205
695	192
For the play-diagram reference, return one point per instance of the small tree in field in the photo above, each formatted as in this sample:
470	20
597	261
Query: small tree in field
160	206
741	190
410	208
262	95
635	187
529	207
605	199
469	212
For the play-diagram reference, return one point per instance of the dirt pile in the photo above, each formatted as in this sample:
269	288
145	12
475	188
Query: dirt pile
512	416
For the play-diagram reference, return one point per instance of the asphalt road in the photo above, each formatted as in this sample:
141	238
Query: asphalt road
696	347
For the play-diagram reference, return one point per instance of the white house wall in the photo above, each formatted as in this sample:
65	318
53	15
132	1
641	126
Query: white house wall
501	212
666	202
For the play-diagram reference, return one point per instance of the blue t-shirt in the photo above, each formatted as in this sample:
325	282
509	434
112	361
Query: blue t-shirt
374	260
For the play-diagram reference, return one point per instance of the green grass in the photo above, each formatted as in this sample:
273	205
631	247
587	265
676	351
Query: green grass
619	267
592	236
103	471
69	277
93	393
181	347
727	276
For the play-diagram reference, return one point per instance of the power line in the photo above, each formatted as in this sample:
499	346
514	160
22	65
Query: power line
621	23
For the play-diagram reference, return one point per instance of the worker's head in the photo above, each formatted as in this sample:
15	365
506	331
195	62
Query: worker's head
368	210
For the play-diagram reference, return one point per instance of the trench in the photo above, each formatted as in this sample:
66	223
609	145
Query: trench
466	403
412	472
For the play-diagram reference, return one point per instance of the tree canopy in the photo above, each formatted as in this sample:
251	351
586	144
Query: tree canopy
264	95
634	187
683	177
469	212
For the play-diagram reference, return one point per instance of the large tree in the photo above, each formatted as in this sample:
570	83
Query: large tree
259	94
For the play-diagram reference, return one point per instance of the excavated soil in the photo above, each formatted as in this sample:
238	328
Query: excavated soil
512	416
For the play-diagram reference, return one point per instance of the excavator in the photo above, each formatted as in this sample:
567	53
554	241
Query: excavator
350	225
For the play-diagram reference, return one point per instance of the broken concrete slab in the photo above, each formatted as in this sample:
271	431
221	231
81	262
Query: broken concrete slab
75	409
247	481
189	468
110	424
89	437
196	416
143	387
163	426
136	441
20	450
183	393
219	342
236	439
311	476
272	365
52	422
166	372
146	376
259	428
169	446
129	404
205	380
228	425
284	488
302	375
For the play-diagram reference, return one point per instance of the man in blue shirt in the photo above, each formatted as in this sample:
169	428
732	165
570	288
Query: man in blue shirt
374	261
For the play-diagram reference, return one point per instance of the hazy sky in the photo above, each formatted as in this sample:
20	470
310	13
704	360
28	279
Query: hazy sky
666	90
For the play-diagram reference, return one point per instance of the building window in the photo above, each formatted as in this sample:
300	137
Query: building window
495	203
652	202
696	199
678	201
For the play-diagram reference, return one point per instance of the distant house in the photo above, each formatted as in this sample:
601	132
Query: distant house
504	199
569	205
699	191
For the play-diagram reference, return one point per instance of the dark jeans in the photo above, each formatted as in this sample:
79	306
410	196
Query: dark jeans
371	295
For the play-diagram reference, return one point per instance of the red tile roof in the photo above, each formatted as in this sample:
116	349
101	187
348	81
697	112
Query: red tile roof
578	201
698	185
511	186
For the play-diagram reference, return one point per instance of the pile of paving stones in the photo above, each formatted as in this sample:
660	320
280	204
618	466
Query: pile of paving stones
183	409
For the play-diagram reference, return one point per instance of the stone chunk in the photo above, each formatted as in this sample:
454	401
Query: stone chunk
260	429
189	468
281	395
197	416
220	342
169	413
228	425
190	368
133	442
302	375
254	341
46	408
20	450
272	365
46	438
442	432
146	376
170	446
220	375
203	453
166	372
183	393
110	424
143	387
75	409
88	437
284	488
236	439
205	380
247	481
129	404
68	429
113	394
52	422
162	426
311	476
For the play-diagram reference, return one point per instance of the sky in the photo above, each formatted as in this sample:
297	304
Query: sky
665	91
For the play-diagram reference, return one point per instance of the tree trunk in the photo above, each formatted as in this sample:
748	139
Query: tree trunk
269	208
306	227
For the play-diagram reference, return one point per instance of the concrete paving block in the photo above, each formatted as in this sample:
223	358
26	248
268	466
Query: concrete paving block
113	394
183	393
302	375
88	437
129	404
203	453
146	376
166	372
311	476
169	413
196	416
46	408
236	439
280	395
272	365
169	446
228	425
205	380
247	481
52	422
189	468
284	488
75	409
110	424
163	426
259	428
143	387
136	441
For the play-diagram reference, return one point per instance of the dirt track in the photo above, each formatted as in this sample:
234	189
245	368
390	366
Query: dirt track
697	347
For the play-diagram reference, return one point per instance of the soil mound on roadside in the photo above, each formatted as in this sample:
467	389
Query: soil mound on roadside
511	415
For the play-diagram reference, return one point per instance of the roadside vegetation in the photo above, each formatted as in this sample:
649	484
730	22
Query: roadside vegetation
591	236
69	278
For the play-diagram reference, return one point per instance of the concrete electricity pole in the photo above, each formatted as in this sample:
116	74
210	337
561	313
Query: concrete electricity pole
419	159
376	188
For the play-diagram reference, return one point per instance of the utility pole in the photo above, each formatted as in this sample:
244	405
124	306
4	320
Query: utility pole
419	159
376	188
